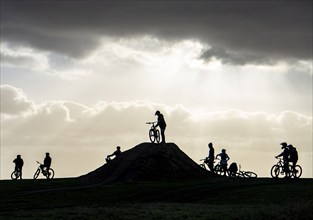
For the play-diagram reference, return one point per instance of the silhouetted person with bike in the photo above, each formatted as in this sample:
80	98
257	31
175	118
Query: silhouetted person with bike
233	168
162	124
293	156
46	163
224	158
210	159
285	154
115	153
18	165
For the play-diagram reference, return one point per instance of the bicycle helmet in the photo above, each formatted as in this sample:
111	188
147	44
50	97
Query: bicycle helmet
157	112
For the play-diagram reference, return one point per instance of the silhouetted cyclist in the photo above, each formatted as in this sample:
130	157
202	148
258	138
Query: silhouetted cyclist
162	124
224	158
18	164
293	156
210	159
46	163
233	168
115	153
285	154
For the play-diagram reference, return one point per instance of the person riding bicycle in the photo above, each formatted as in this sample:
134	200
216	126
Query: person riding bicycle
115	153
224	158
210	159
18	164
46	163
293	156
285	154
161	123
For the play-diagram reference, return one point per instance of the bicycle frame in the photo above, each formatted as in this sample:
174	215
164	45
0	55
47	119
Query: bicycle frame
48	173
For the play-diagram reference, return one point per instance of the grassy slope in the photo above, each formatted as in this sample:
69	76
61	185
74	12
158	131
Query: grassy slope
216	198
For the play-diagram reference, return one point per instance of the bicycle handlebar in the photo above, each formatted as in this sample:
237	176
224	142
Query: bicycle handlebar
149	123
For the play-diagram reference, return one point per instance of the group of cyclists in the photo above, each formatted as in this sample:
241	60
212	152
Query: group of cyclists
19	163
289	155
223	156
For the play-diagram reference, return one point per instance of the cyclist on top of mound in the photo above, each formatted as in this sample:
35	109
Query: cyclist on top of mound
162	124
115	153
224	158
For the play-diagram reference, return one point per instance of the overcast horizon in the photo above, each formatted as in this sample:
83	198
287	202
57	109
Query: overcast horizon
79	78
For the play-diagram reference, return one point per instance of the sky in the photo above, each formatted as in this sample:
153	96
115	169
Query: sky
79	78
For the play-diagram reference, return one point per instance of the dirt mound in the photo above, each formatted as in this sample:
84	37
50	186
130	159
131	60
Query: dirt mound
147	162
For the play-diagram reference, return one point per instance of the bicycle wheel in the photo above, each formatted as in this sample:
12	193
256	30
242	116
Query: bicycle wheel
218	169
15	175
157	136
37	173
151	135
250	174
276	170
297	172
50	174
240	174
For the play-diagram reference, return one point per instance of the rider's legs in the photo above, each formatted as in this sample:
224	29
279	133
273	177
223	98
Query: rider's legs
44	169
286	169
210	164
224	168
294	163
162	134
18	169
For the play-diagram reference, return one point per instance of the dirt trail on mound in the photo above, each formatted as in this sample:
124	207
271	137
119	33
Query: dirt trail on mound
147	162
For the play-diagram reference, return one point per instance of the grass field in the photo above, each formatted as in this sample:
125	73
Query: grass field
216	198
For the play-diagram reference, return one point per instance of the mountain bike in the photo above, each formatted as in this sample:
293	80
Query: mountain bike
245	174
154	133
219	170
49	174
277	170
204	164
16	174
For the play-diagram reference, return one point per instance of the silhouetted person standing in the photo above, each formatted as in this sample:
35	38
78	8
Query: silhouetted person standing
224	158
115	153
162	124
18	164
46	163
293	156
285	154
210	158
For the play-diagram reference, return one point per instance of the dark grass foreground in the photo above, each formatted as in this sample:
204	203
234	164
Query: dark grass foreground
215	198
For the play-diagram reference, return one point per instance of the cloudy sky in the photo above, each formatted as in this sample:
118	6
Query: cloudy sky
79	78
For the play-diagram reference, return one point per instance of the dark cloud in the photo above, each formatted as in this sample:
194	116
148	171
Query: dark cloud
243	31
